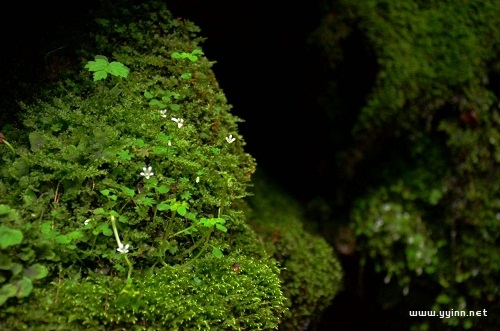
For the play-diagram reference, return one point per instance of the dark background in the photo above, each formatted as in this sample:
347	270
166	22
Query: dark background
267	68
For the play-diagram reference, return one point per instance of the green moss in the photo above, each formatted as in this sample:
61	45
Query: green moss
77	168
310	272
421	175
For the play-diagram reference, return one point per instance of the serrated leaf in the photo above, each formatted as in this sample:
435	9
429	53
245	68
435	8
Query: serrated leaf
148	95
36	271
192	58
9	237
197	51
127	191
98	75
118	69
176	55
125	155
97	65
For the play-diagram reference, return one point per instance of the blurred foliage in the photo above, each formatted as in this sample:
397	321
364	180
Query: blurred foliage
310	273
419	174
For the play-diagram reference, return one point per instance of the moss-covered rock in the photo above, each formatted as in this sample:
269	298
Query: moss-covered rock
310	272
125	182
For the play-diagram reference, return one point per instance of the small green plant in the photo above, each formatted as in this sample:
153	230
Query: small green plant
101	68
191	56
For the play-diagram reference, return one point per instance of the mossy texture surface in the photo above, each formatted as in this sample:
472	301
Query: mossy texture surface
310	274
78	186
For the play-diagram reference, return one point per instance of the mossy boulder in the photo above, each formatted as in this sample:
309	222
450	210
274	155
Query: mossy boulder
311	274
125	182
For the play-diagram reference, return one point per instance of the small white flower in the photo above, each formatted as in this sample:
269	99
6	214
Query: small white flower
86	221
169	143
230	139
147	172
198	179
179	121
163	113
122	249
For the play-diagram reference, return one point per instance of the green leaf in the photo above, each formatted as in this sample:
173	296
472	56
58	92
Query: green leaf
197	52
118	69
125	155
105	192
127	191
191	216
98	75
36	271
75	235
217	252
162	189
174	106
16	269
97	65
5	262
221	227
163	206
186	75
7	291
176	55
98	211
9	237
29	197
123	219
24	287
36	141
63	239
148	95
181	210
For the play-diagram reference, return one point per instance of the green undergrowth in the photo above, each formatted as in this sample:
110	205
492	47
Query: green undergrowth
120	196
310	272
